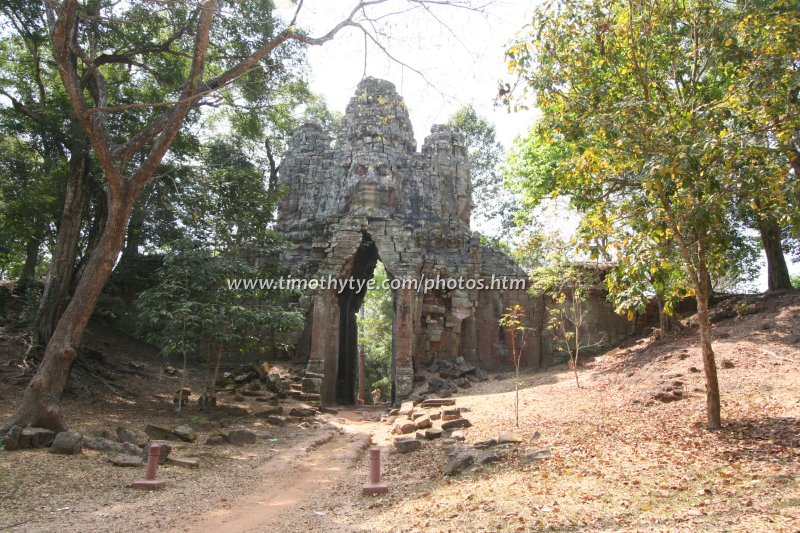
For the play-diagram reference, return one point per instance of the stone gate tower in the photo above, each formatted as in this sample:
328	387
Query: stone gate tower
369	195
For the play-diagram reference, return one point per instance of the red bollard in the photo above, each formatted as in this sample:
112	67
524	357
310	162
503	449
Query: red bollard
150	482
375	485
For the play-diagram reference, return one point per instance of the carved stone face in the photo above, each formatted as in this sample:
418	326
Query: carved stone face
372	183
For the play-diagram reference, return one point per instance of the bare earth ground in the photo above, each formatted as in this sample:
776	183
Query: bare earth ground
619	460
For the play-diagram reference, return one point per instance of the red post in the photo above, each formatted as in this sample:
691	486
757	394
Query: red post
150	482
375	486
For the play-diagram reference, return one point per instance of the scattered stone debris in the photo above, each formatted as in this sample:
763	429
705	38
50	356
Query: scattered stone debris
182	396
157	432
407	444
538	454
505	438
182	433
10	440
133	436
185	433
32	437
67	443
433	433
240	437
457	423
216	440
454	435
277	410
276	420
126	460
669	391
451	414
302	412
102	444
423	422
437	402
460	459
481	453
406	409
485	444
402	427
171	371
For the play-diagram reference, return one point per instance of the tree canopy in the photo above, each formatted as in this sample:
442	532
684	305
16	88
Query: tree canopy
641	102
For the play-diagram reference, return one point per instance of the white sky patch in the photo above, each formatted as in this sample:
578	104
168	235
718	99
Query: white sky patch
460	55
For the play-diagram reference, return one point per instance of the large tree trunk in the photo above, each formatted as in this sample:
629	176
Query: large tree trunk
133	238
713	406
777	271
666	321
40	404
28	274
99	208
62	267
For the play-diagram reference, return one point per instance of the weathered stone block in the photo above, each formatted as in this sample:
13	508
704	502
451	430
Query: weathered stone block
67	443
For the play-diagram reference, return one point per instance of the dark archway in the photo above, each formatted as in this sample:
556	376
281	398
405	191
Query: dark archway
350	300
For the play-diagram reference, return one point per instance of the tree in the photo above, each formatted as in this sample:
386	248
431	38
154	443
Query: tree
763	134
512	321
40	114
647	269
190	312
375	332
26	198
492	201
208	47
636	92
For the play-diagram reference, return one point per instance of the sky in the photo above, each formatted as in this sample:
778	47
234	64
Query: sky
458	54
452	57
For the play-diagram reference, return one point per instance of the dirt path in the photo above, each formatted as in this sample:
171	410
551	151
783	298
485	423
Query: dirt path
290	478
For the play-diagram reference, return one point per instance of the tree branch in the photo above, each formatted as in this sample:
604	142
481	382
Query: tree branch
64	41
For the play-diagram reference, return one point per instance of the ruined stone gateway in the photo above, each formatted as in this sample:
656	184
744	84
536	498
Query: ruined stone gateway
369	195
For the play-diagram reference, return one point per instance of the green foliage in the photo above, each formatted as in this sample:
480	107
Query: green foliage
375	333
492	201
225	201
144	54
226	216
650	126
542	247
191	312
317	110
27	202
796	281
634	144
532	169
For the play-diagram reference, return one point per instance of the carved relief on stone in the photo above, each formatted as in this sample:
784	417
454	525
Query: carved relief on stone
371	186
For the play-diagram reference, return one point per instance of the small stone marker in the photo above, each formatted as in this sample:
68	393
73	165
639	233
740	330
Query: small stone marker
150	482
375	485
